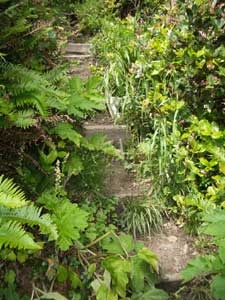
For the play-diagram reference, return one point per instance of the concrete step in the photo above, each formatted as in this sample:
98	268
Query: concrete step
78	48
79	57
81	70
117	134
122	184
174	248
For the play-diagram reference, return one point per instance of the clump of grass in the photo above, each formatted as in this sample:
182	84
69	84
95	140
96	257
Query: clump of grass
141	217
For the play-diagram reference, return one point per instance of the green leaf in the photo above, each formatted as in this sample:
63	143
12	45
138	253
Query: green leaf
14	236
222	253
10	277
74	165
216	229
118	268
218	287
10	195
117	245
70	221
53	296
105	293
152	294
66	131
62	274
149	257
198	266
74	279
138	274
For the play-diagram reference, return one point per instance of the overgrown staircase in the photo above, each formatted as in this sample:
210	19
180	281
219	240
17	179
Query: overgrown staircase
173	247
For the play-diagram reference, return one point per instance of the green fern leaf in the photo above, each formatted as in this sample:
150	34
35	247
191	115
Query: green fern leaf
12	235
30	215
98	142
10	195
24	119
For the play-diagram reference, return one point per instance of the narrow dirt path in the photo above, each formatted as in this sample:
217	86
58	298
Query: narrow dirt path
173	246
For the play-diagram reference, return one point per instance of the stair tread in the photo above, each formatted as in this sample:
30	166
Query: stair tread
77	56
174	248
78	48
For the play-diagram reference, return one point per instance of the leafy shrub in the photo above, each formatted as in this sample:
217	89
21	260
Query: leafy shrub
168	72
213	264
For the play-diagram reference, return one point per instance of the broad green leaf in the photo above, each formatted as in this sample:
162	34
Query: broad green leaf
198	266
105	293
218	287
119	245
216	229
149	257
118	268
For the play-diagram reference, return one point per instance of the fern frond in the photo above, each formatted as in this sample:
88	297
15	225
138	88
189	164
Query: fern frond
23	119
12	235
11	196
31	216
57	74
35	101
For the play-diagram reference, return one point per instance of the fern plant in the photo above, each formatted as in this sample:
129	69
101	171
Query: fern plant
16	211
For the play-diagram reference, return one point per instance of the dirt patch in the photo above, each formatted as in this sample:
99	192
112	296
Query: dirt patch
174	249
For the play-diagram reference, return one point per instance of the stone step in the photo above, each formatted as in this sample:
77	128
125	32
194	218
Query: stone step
122	184
79	57
78	48
117	134
175	249
81	70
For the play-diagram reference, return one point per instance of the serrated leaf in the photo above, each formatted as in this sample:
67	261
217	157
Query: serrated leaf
66	131
118	268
